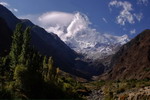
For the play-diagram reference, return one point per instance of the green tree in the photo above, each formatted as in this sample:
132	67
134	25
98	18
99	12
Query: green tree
45	68
28	79
51	69
20	75
25	47
16	46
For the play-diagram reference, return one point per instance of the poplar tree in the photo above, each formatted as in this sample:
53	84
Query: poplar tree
16	46
25	47
51	69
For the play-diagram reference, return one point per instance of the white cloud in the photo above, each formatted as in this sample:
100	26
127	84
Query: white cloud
65	25
51	21
13	9
139	16
126	14
104	19
145	2
133	31
9	6
16	10
4	4
59	30
62	23
54	18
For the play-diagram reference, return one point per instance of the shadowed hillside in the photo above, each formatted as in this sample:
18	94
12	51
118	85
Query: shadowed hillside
5	38
133	59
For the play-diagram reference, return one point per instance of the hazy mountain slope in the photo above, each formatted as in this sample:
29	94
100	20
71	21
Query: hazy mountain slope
133	59
5	38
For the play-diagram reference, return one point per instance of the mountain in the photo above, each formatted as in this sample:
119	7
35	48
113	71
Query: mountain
96	46
5	38
82	38
132	61
46	43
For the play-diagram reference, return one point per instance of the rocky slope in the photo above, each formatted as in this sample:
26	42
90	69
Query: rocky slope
133	94
139	94
132	61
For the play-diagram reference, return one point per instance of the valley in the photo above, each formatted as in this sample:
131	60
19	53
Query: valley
78	62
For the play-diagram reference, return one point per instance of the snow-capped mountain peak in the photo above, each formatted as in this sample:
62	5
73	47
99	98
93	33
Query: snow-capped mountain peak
86	40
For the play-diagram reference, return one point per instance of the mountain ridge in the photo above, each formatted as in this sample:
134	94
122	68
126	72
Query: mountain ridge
132	60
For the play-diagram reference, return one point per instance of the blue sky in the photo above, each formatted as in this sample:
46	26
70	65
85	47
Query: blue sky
117	17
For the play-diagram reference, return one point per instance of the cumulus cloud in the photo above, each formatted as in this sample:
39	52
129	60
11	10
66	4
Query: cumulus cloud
126	14
104	19
145	2
133	31
8	6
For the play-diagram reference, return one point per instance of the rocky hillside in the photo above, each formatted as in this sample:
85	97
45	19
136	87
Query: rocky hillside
139	94
132	61
119	90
